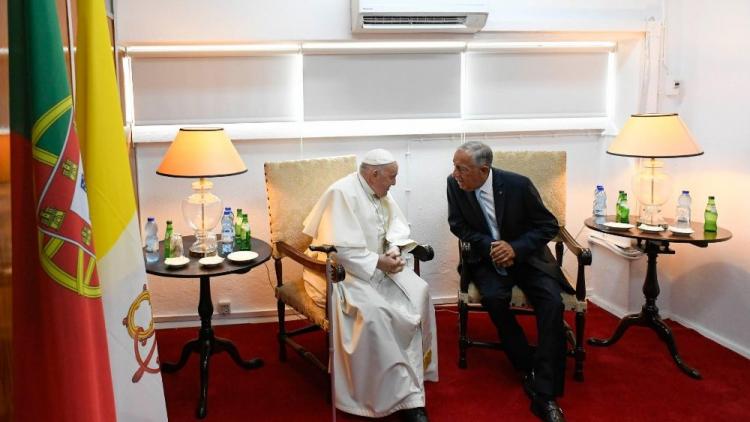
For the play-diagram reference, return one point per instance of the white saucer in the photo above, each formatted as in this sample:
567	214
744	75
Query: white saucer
685	231
211	261
652	229
618	226
176	262
242	256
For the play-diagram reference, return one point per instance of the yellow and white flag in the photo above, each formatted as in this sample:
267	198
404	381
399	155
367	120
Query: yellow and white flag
139	394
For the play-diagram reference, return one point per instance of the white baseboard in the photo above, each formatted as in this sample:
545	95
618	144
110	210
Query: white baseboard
705	332
608	306
269	315
250	317
442	300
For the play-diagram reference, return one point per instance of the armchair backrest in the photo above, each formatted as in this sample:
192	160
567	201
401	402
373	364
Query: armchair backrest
293	188
546	169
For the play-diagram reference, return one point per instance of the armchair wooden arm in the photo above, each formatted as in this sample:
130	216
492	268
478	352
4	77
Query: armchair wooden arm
421	253
583	254
464	250
584	258
301	258
335	272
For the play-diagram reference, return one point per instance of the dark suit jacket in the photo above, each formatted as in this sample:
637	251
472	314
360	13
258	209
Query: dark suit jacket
522	218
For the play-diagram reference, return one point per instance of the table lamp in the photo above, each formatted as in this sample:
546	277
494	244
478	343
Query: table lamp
653	136
201	153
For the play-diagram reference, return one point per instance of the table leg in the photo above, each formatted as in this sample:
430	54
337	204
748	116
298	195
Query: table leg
207	344
649	315
224	345
625	323
190	347
206	351
666	335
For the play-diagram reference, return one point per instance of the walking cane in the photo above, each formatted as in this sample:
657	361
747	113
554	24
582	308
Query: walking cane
334	273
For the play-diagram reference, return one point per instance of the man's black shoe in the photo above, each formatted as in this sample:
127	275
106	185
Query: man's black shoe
547	410
417	414
528	385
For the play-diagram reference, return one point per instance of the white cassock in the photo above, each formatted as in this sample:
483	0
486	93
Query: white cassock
385	342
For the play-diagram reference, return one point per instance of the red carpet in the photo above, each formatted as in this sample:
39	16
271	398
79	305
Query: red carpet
635	380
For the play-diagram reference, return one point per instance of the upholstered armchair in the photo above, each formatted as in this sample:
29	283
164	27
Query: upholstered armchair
293	188
547	170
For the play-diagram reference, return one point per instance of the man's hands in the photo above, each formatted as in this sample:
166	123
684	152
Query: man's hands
502	253
391	262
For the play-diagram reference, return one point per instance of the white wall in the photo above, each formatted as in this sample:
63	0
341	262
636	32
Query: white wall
707	289
141	21
706	50
420	190
428	161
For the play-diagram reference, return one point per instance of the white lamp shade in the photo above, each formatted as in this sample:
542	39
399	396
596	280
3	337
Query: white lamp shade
655	136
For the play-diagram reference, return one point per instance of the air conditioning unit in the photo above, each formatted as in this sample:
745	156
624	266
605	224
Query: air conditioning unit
418	15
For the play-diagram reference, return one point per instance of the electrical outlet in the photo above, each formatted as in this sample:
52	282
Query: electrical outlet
671	86
225	307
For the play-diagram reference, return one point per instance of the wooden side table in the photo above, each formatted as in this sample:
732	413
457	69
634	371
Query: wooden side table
653	244
207	344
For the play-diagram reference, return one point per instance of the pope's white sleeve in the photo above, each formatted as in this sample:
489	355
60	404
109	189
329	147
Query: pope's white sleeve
359	262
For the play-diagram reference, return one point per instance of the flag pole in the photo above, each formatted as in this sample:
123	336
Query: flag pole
71	49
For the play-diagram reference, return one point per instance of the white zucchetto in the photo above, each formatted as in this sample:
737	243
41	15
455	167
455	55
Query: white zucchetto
377	157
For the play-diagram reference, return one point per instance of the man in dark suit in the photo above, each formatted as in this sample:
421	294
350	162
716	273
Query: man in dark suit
503	218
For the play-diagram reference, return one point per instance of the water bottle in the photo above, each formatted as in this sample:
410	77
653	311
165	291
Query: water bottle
227	233
623	210
152	240
168	240
710	216
600	202
231	214
682	216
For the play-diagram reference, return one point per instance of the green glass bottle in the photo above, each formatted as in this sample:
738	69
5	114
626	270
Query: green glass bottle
623	210
167	240
238	217
246	241
238	230
710	216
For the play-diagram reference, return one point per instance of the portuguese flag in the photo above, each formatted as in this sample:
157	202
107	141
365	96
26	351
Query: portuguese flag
61	367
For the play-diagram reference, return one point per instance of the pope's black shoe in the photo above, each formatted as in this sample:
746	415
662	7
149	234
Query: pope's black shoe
417	414
546	409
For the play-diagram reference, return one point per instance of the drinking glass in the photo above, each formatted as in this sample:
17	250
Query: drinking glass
176	244
211	244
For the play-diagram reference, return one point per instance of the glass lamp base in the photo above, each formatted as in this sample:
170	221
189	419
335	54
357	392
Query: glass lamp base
204	245
651	215
652	187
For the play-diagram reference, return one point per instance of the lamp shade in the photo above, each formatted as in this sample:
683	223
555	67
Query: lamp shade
201	152
655	136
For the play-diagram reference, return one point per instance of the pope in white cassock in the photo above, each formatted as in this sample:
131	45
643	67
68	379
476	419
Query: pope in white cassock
385	341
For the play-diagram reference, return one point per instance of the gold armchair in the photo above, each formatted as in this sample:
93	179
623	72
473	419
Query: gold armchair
547	170
293	188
